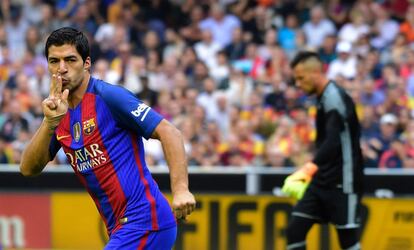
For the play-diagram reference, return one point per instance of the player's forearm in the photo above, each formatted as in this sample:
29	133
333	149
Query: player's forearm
36	154
173	147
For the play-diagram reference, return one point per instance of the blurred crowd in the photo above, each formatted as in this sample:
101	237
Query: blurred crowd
219	70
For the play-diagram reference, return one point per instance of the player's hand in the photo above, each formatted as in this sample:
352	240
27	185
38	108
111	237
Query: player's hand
296	184
295	188
56	105
183	204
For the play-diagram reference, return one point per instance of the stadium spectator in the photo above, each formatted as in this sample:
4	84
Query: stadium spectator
337	11
317	28
395	91
34	43
207	48
236	48
101	70
191	31
188	60
82	19
353	30
327	50
14	123
407	26
276	99
221	71
373	63
32	11
230	153
115	9
66	8
274	157
269	44
240	88
384	30
383	141
174	44
288	35
146	93
49	21
163	77
204	152
277	64
16	26
398	50
370	96
252	64
198	74
345	65
283	137
220	24
207	99
108	36
369	123
303	126
407	148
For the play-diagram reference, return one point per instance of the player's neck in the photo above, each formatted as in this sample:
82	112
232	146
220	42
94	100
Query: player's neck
77	94
323	81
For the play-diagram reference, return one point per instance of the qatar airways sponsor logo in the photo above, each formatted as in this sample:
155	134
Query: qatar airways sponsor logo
87	157
141	111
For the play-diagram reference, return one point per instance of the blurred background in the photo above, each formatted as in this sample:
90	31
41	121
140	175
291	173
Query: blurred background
219	71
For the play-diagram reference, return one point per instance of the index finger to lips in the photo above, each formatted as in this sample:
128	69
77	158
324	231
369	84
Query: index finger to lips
55	86
59	84
52	86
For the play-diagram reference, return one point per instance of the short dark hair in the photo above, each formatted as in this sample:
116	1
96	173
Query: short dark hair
68	35
303	56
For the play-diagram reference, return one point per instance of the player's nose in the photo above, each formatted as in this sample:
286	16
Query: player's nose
62	67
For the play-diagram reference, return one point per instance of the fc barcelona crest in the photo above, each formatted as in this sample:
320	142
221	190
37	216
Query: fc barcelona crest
76	131
89	126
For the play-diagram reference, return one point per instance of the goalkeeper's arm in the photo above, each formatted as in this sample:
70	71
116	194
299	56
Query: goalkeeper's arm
295	184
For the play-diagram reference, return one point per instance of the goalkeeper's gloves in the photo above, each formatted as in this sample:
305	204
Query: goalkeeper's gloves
296	184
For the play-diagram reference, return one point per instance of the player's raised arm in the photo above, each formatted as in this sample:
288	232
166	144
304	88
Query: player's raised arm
173	146
36	155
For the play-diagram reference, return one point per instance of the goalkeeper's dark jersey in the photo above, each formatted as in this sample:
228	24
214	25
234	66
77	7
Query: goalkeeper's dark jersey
338	153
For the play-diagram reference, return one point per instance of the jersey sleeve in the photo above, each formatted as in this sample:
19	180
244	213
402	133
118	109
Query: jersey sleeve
129	111
335	114
54	147
331	143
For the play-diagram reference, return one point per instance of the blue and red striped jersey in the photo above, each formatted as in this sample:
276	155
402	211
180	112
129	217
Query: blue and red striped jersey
102	138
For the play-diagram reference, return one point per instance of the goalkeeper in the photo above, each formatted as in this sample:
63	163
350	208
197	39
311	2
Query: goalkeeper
329	188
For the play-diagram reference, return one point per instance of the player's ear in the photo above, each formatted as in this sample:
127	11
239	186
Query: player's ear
87	64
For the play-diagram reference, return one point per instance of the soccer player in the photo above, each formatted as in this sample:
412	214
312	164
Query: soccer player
329	187
100	127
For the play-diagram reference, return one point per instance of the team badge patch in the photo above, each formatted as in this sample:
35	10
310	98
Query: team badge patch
89	126
76	131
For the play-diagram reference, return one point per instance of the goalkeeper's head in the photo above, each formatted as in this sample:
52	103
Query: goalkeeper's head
308	72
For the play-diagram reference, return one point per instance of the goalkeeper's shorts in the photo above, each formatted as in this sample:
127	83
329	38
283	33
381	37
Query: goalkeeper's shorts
330	205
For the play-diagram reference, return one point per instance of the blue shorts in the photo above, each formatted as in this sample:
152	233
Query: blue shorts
127	238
